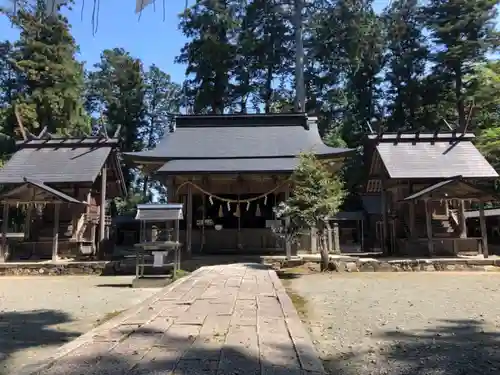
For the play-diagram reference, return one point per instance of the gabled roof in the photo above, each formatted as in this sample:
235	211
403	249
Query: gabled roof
240	136
42	192
61	160
431	155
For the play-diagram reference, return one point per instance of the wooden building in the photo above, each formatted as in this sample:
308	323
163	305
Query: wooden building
230	171
61	185
424	183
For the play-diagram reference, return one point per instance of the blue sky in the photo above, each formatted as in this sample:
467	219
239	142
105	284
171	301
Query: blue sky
151	38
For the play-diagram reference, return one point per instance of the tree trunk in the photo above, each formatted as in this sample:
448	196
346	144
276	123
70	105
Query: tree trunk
323	250
459	99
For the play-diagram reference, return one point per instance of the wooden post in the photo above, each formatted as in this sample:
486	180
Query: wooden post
411	212
314	241
102	210
428	222
55	235
484	232
27	221
204	202
288	245
331	243
189	219
336	237
385	232
5	228
461	214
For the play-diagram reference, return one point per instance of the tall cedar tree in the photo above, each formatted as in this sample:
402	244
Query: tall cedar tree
348	44
264	53
49	80
162	98
209	55
407	55
6	93
116	89
463	31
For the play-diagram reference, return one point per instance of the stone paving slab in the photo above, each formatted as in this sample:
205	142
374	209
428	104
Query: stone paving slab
220	320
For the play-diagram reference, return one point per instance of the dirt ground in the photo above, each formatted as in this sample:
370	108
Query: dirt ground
402	323
39	314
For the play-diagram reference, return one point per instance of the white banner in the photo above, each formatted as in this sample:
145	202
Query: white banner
141	4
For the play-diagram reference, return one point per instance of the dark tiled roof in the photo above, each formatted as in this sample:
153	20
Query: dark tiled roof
55	164
250	136
432	156
228	165
18	192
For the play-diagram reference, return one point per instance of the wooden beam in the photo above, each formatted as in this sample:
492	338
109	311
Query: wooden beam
20	123
117	131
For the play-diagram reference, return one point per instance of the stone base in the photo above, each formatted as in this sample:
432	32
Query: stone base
54	268
354	264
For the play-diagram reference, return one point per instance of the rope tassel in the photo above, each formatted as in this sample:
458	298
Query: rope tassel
257	210
237	213
221	212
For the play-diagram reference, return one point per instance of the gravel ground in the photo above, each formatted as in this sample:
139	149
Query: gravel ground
404	323
39	314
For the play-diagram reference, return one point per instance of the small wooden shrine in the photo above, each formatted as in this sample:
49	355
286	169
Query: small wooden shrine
229	171
60	186
424	183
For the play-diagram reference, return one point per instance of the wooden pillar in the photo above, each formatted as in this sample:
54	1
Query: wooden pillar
336	237
385	231
461	215
331	243
204	203
484	232
288	245
5	228
27	221
55	235
314	241
102	209
411	213
189	219
428	222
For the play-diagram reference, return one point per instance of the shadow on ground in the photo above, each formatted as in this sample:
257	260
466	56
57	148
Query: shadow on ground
453	347
163	358
30	329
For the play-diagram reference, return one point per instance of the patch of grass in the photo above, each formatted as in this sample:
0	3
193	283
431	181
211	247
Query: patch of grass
108	317
298	301
181	273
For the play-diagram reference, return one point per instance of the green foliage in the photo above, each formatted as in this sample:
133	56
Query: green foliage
209	55
46	80
317	193
406	57
463	32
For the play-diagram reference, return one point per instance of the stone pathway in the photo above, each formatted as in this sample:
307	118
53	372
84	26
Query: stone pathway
220	320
